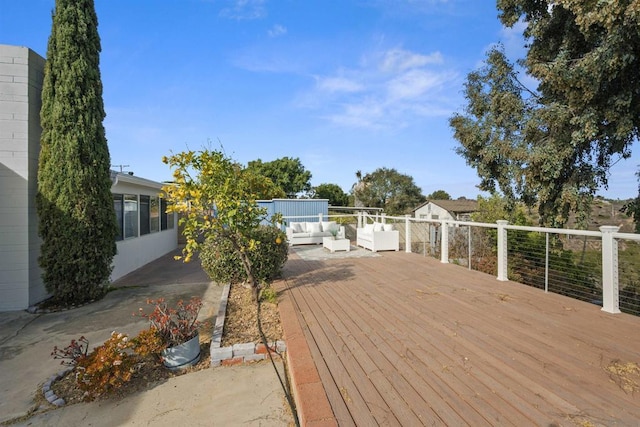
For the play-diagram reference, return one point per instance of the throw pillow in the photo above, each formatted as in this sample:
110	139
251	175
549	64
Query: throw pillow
296	227
377	226
388	227
329	226
314	227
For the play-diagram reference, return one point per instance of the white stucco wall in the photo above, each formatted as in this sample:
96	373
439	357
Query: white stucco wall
429	210
135	252
21	76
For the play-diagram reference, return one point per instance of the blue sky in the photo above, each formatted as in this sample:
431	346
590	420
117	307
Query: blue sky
344	85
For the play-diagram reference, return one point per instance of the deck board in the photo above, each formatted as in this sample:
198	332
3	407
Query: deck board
402	339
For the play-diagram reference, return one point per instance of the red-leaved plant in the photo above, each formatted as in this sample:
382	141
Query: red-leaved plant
174	325
106	367
72	353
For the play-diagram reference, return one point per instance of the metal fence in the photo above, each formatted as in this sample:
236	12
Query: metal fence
599	267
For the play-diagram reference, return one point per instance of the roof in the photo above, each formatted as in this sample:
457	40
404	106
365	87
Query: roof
129	178
454	206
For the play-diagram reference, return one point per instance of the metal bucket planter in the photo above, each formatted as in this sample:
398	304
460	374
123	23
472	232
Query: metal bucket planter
182	355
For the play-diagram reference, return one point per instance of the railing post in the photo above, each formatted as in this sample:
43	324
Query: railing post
469	245
444	242
502	250
407	234
610	295
359	219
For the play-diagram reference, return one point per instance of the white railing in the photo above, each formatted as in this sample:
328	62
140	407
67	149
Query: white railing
601	267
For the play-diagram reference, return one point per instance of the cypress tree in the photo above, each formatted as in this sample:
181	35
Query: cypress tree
77	221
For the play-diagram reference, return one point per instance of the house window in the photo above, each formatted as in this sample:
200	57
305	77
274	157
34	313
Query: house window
130	216
149	215
117	206
435	216
166	219
154	214
126	208
145	222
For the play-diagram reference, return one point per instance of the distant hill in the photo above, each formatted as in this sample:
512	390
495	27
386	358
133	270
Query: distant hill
607	212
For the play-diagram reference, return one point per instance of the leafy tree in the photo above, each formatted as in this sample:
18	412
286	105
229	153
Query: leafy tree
264	187
333	192
287	173
494	208
223	265
386	188
77	221
218	203
553	147
633	208
439	195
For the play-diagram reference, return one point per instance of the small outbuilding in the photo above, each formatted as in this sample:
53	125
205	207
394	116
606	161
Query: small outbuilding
451	210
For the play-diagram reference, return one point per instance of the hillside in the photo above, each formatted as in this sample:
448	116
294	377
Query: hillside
607	212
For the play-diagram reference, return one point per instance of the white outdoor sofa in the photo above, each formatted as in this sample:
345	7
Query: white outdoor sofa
378	237
309	233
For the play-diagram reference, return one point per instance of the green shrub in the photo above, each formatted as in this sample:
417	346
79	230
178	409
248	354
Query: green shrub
223	265
268	294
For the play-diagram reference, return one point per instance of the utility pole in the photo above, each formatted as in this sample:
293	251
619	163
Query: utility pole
120	166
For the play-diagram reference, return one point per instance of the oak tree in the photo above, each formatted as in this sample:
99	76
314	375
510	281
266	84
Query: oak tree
287	173
553	145
332	192
386	188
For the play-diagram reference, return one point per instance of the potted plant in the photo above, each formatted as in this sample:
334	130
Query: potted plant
176	330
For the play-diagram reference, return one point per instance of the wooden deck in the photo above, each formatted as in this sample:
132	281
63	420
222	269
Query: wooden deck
405	340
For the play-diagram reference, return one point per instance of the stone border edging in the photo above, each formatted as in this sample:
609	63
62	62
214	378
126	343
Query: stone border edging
237	353
312	403
48	392
216	339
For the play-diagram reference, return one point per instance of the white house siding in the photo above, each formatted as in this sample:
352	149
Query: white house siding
21	285
21	76
135	252
432	211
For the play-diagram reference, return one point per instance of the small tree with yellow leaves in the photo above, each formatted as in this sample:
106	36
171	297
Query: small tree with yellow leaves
216	198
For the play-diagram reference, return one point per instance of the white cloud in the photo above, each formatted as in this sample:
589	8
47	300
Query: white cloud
338	84
244	9
368	114
388	90
277	31
399	60
414	84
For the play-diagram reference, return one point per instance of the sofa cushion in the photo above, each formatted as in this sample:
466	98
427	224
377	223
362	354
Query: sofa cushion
387	227
301	235
314	227
329	226
296	227
368	228
377	226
